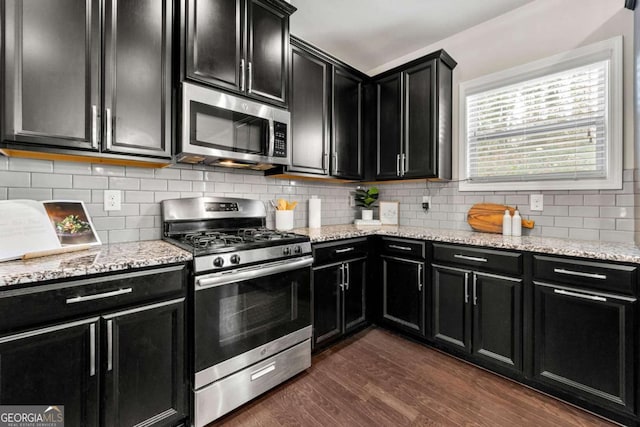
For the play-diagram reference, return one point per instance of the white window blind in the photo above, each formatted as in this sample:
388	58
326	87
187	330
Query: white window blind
551	127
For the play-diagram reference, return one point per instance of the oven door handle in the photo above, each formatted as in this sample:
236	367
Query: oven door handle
219	279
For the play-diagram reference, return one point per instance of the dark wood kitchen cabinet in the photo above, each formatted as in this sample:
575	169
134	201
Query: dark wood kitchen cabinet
414	119
347	125
403	284
478	312
54	100
120	363
339	286
240	45
585	335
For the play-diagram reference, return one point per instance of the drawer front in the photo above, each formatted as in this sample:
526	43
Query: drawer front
586	274
69	299
478	258
342	250
404	247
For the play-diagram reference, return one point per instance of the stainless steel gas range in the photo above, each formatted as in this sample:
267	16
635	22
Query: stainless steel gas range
251	300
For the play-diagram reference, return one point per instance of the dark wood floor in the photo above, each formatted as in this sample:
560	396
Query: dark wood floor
376	378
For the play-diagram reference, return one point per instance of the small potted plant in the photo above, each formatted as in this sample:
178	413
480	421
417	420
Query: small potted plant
365	199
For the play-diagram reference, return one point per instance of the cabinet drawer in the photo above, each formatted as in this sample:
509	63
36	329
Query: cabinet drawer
342	250
586	274
68	299
484	259
403	247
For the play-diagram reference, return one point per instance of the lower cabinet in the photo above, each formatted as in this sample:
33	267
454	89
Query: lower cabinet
478	313
584	344
338	299
403	293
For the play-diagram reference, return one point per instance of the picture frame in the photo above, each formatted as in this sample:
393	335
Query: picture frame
389	213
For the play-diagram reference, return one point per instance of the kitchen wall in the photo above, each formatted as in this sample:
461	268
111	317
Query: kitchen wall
143	190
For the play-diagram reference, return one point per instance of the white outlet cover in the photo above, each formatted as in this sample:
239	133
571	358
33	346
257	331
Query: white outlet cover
536	202
112	200
426	199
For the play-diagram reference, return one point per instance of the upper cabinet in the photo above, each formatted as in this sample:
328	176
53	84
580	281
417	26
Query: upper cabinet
413	119
347	124
239	45
56	71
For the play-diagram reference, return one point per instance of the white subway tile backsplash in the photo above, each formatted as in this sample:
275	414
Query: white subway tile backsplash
134	172
616	212
30	193
600	223
140	222
191	175
179	185
150	234
72	168
30	165
119	183
109	223
91	182
51	180
167	173
600	200
127	209
3	193
72	194
584	234
107	170
139	197
616	236
119	236
15	179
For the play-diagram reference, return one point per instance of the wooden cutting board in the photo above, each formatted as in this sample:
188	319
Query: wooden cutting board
487	217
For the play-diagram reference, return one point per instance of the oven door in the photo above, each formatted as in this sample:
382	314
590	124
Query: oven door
248	314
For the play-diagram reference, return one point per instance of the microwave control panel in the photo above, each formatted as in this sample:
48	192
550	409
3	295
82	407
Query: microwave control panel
280	141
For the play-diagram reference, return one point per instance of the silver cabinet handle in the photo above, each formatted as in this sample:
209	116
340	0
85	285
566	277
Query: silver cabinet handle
420	282
92	349
466	288
402	248
403	167
243	78
272	138
348	277
263	371
335	162
94	126
250	71
325	161
109	345
341	251
84	298
580	274
109	128
342	277
475	293
398	165
470	258
578	295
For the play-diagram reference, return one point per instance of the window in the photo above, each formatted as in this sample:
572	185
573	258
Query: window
553	124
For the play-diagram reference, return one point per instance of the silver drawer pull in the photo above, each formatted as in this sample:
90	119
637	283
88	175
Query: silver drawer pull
401	248
577	295
92	349
580	274
470	258
264	371
341	251
109	345
99	296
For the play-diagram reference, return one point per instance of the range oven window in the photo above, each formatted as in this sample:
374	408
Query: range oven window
228	130
237	317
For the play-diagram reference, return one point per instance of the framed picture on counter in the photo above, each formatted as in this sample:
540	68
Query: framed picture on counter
389	213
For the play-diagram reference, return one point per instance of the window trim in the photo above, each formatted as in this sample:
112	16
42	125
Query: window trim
611	50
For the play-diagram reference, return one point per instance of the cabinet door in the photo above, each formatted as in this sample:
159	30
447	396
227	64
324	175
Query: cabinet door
420	150
309	107
389	128
215	42
144	365
451	310
327	316
52	72
584	344
403	296
53	366
497	320
354	294
267	52
347	125
138	77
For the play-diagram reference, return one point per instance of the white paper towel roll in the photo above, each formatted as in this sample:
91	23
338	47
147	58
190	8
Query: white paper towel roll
315	208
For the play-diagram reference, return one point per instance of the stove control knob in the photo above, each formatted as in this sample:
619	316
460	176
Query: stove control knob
297	250
286	251
235	259
218	262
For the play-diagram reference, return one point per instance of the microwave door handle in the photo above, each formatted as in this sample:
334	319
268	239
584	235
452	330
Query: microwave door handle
272	138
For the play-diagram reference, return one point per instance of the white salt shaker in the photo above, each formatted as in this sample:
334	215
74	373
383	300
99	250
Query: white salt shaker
506	223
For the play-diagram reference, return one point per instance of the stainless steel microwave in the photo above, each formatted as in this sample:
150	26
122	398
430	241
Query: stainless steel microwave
222	129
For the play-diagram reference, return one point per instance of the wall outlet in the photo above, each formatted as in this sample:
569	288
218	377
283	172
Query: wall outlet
536	202
112	200
426	202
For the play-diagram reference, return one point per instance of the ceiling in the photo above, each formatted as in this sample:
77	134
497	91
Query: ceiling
370	33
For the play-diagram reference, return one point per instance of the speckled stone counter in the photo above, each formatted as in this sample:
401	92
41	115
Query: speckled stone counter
623	252
102	259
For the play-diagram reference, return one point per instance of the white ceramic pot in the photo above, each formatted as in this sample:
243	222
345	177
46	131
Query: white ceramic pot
284	220
367	214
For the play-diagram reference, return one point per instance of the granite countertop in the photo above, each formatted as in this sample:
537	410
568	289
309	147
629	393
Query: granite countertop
101	259
610	251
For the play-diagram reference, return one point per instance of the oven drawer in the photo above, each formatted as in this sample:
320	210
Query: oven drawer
223	396
343	250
